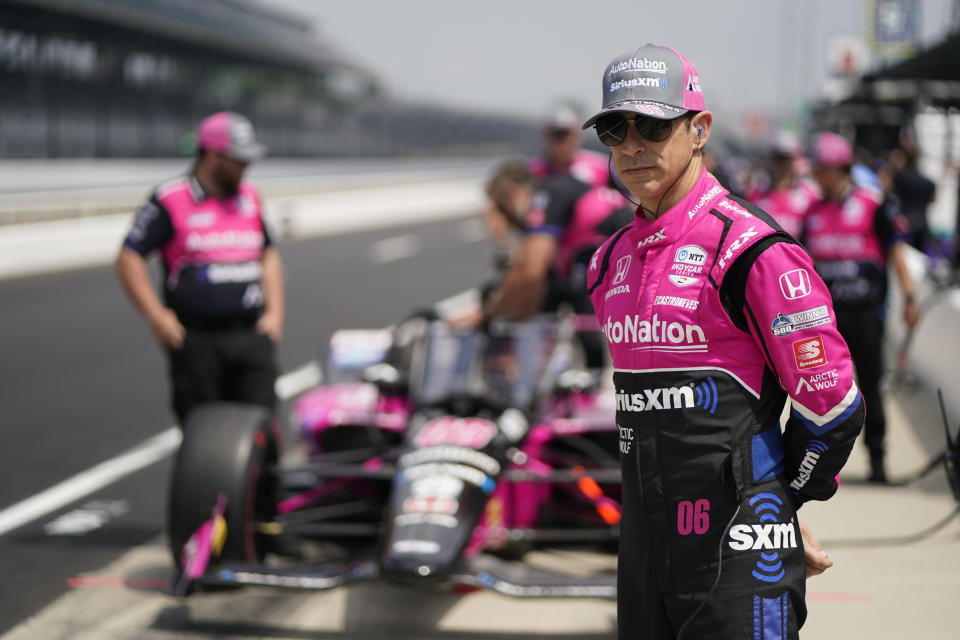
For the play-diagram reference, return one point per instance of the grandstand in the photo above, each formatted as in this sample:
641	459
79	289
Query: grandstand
99	78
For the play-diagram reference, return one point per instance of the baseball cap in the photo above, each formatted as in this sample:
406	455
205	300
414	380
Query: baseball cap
787	144
230	133
653	81
561	117
832	150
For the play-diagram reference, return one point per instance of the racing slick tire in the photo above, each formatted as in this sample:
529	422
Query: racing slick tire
229	448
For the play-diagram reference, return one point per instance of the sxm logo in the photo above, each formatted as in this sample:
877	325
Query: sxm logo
703	395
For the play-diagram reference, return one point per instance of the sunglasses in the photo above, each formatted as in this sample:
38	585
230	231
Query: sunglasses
612	129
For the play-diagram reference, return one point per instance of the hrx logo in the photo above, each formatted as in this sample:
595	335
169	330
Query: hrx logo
737	245
659	235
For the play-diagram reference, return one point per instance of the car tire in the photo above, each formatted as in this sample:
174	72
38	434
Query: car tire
229	448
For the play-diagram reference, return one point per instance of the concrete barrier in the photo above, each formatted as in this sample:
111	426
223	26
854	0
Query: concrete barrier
932	352
92	240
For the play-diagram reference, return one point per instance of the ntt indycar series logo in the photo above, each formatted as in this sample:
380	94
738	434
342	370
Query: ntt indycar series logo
655	335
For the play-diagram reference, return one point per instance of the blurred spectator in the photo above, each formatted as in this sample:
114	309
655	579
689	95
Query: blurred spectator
861	171
223	302
567	221
914	190
509	192
851	233
562	153
789	195
720	171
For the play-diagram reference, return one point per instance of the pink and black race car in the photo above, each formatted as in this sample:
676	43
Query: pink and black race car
434	456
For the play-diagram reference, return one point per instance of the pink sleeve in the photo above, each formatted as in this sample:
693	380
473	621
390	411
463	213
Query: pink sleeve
791	318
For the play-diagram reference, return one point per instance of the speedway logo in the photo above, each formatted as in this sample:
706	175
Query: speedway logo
809	353
786	324
737	245
656	399
655	335
659	235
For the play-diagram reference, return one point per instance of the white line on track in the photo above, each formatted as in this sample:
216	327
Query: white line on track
143	455
396	248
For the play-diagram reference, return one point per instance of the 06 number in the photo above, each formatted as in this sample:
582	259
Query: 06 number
693	517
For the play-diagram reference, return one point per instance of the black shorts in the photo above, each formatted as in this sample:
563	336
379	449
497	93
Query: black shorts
232	365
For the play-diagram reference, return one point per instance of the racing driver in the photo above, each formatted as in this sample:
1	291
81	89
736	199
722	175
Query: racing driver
713	316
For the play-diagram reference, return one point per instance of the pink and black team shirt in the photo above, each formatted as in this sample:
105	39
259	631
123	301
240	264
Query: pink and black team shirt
211	249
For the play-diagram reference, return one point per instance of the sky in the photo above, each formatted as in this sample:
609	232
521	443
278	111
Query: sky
765	57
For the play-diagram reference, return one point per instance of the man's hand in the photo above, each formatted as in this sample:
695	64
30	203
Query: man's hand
271	325
166	326
817	559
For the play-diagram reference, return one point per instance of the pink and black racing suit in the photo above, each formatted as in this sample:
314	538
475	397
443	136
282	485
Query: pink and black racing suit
788	206
580	218
713	316
849	241
589	167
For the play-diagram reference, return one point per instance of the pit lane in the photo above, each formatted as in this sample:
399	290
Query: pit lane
82	381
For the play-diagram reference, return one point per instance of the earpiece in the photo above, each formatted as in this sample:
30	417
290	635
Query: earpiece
699	132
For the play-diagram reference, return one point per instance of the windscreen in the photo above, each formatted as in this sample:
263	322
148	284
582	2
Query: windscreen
503	364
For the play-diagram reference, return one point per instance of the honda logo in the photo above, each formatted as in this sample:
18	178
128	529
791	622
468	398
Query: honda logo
795	284
623	266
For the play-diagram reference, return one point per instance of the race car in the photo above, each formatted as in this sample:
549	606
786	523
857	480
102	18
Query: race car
433	456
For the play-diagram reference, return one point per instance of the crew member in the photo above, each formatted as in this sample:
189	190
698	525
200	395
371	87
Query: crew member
851	232
222	310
